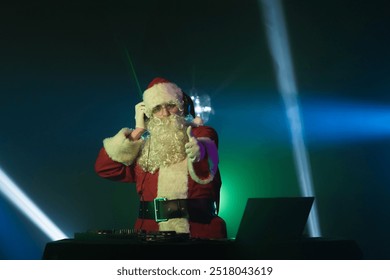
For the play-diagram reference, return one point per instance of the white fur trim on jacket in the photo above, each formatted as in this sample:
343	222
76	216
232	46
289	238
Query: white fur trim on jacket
173	184
121	149
180	225
162	93
213	159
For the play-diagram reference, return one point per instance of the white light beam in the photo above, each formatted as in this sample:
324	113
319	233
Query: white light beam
28	208
280	52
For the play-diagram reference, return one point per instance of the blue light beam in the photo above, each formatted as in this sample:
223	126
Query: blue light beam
28	208
279	48
331	122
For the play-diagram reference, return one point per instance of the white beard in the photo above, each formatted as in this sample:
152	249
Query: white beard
165	146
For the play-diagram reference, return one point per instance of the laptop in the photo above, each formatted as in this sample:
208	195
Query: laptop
274	219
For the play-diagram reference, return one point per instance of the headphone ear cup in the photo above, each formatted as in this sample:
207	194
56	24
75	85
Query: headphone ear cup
189	108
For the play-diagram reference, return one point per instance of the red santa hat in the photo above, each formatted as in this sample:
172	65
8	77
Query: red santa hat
161	91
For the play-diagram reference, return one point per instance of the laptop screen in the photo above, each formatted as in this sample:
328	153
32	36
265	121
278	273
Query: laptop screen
274	218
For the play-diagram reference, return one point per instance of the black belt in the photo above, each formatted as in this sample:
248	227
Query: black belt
161	209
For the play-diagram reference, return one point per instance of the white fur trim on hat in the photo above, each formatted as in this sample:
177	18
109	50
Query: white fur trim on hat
121	149
162	93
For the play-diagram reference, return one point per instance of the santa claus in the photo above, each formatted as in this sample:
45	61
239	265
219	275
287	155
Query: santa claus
175	168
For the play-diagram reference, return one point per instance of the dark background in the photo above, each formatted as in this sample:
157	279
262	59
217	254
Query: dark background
66	83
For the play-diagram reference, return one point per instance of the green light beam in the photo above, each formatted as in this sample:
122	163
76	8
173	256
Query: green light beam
133	71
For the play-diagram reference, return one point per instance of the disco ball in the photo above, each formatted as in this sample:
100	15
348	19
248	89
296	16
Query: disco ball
202	104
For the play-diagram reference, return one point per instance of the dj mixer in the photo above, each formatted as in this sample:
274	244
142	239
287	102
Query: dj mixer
132	234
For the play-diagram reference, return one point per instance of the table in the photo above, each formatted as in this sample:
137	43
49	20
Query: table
227	249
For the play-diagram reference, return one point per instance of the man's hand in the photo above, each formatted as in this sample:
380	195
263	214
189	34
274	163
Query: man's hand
194	149
139	115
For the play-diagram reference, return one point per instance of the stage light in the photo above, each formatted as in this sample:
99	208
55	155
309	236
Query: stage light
28	208
279	48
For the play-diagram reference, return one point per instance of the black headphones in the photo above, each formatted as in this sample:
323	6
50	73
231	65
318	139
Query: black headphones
188	105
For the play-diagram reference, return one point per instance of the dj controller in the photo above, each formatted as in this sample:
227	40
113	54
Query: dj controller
131	234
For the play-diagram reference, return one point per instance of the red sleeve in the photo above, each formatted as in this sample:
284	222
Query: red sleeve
205	131
202	167
107	168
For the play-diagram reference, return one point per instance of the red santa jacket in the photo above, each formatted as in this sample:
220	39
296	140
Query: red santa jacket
147	184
